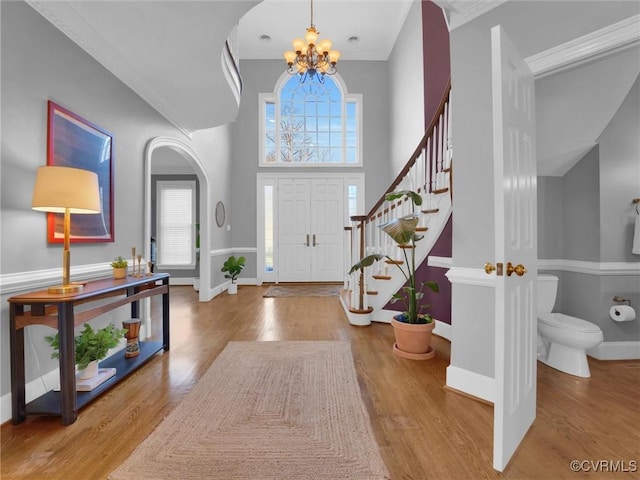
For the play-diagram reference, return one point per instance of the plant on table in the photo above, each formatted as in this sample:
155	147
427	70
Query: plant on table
91	345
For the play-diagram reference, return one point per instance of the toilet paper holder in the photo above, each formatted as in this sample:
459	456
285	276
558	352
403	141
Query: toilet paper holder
618	299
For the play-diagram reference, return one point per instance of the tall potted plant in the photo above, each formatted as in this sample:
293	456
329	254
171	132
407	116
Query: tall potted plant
412	327
233	266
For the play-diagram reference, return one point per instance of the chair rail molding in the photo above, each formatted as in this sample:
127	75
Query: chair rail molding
591	268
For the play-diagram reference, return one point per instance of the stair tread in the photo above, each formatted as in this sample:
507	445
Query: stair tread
381	277
440	190
431	210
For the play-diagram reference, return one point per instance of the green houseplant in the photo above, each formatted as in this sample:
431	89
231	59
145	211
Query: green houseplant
119	266
412	327
90	346
233	266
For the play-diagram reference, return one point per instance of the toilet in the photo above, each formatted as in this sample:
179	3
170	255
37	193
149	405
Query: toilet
563	340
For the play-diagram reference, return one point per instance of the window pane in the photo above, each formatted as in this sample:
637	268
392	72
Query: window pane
351	155
268	228
352	192
176	224
308	119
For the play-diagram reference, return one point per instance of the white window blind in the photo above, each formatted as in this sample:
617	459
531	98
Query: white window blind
176	218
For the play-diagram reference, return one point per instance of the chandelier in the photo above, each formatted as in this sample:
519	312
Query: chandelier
311	58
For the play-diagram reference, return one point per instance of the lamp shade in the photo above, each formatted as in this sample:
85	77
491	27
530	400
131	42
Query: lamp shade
58	188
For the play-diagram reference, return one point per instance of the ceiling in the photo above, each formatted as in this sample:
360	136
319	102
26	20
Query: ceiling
359	29
170	53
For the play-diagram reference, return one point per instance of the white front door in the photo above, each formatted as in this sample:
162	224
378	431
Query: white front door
516	247
310	229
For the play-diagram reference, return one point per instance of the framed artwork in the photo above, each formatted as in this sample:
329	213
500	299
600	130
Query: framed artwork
73	141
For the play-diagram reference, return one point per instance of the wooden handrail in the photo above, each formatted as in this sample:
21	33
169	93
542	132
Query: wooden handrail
412	160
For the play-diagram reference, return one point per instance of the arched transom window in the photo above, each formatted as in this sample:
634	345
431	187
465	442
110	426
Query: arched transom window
310	124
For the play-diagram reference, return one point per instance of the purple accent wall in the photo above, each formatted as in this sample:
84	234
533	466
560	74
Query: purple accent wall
437	70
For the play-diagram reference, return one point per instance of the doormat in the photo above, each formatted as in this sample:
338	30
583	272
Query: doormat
267	411
277	291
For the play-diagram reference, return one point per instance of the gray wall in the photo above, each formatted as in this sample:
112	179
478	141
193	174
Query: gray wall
534	27
39	63
260	76
590	208
406	91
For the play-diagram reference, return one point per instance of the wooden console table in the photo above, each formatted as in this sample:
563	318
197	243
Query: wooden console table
58	311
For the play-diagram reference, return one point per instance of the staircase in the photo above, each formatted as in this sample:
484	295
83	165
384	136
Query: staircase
428	172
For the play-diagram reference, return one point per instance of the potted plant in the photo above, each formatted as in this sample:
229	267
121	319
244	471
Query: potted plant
91	346
233	266
119	265
412	327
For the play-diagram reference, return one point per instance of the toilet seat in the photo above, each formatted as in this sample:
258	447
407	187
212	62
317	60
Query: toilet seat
566	322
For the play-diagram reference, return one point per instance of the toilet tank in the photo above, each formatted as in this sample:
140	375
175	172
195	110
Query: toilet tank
547	291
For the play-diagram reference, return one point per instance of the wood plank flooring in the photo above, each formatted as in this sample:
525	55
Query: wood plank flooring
424	430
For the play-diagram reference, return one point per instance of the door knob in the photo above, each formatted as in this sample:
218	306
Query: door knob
519	269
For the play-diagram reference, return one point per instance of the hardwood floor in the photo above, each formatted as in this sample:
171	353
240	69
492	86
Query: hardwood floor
424	430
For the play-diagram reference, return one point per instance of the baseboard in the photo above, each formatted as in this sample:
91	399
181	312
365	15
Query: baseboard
181	281
616	351
471	383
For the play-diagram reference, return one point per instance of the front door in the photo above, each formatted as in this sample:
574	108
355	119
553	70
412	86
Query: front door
516	247
310	229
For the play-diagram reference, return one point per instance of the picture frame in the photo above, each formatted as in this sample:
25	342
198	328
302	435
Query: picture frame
73	141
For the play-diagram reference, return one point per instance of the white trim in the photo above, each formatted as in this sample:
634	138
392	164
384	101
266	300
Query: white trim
591	268
440	262
31	280
607	40
471	383
181	281
622	350
471	276
225	251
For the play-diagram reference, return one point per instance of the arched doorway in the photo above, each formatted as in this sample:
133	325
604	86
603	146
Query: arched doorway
185	151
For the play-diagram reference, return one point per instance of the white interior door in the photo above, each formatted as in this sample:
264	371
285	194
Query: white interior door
294	230
327	229
516	246
310	229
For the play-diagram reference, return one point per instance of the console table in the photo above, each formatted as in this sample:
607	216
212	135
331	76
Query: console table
59	311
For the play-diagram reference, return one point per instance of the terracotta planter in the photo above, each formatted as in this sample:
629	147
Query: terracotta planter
413	340
120	272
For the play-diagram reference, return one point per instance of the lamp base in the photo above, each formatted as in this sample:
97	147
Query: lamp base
70	288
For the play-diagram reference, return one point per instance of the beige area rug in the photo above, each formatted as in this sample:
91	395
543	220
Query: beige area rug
266	410
303	291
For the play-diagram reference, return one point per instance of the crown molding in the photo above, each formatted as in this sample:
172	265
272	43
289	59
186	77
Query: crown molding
607	40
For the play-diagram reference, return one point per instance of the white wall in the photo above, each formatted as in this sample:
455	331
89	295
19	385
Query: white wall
406	86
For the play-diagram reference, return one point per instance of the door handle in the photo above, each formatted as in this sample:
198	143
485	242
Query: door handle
519	269
307	244
314	240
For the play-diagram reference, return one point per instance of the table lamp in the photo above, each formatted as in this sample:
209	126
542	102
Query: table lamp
66	190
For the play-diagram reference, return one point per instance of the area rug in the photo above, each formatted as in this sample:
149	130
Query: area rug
303	291
266	411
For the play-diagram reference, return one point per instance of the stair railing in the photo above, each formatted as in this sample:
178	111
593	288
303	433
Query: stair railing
427	172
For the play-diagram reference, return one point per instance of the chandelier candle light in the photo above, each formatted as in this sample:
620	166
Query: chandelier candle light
312	58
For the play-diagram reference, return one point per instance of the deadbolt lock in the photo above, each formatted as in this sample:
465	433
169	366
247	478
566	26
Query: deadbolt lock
519	269
489	268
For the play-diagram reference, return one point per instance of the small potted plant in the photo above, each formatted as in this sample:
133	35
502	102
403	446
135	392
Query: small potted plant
233	266
119	265
412	327
91	346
